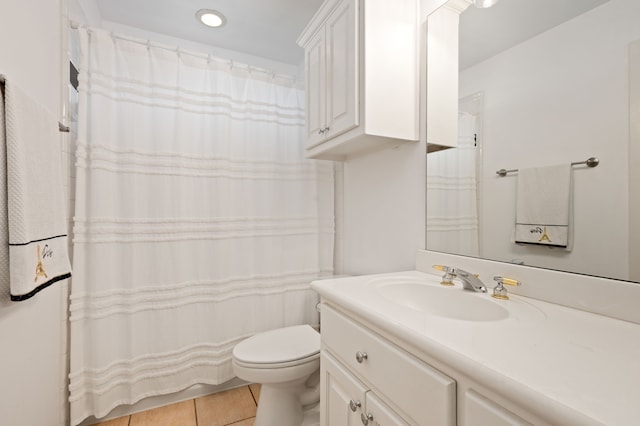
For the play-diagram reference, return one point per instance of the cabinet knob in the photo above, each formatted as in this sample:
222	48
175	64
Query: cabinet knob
321	131
366	418
326	129
361	356
354	405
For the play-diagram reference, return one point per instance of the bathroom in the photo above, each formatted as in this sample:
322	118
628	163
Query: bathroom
389	182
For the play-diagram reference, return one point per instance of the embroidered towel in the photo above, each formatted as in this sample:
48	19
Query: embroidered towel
38	250
543	206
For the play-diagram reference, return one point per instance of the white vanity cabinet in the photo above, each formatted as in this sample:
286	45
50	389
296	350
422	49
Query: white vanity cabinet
366	378
347	401
543	364
480	411
361	76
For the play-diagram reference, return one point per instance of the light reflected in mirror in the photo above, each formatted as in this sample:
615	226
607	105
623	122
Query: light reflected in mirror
544	83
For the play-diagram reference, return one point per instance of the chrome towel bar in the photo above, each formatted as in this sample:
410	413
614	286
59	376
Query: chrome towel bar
590	162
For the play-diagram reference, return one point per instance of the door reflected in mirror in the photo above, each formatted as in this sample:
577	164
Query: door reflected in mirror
546	83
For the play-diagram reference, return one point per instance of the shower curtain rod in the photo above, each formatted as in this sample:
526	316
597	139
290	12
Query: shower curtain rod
590	162
178	50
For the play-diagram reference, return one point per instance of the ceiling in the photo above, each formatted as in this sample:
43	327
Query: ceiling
269	28
265	28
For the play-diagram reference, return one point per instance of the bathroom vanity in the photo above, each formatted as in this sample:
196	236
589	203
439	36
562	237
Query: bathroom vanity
400	348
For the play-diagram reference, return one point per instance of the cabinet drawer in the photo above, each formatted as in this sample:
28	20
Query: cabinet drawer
419	392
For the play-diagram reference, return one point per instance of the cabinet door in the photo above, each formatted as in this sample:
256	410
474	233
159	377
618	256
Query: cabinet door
480	411
341	394
342	69
381	414
315	60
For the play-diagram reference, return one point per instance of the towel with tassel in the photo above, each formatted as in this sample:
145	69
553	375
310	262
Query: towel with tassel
543	206
33	195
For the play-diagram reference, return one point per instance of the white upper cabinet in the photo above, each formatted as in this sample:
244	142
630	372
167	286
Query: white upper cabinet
332	90
342	80
315	85
361	64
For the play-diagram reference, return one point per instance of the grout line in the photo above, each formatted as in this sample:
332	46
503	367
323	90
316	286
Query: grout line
241	420
195	410
255	401
129	421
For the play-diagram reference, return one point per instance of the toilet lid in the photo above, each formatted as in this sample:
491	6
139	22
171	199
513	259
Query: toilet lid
279	346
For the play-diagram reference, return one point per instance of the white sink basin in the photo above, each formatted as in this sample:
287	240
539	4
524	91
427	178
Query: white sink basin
449	302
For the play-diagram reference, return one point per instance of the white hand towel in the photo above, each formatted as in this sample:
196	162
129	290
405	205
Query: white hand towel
38	250
543	206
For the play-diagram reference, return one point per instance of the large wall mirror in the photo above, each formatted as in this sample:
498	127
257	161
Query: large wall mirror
542	83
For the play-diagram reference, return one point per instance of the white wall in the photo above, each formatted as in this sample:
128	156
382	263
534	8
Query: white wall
32	384
561	97
383	210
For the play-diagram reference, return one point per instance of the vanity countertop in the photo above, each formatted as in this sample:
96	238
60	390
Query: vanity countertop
572	366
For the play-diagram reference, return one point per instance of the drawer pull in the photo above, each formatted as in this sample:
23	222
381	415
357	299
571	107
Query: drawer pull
366	418
354	405
361	356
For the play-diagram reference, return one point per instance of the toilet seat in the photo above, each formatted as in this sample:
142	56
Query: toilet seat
286	362
279	348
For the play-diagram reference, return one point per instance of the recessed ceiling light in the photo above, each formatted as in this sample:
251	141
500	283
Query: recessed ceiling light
481	4
211	18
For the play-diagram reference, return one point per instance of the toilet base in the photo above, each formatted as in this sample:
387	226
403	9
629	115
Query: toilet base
312	415
280	404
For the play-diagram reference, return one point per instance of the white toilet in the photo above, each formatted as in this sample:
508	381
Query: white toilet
286	362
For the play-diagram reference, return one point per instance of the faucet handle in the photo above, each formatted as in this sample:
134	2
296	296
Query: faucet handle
499	292
449	275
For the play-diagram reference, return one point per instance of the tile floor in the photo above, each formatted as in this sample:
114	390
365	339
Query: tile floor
235	407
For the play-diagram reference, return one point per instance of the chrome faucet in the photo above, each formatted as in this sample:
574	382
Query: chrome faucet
469	281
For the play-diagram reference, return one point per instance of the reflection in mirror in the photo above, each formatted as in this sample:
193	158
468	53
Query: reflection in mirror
454	189
551	82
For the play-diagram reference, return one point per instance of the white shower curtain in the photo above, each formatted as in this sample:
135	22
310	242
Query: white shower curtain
198	222
452	205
